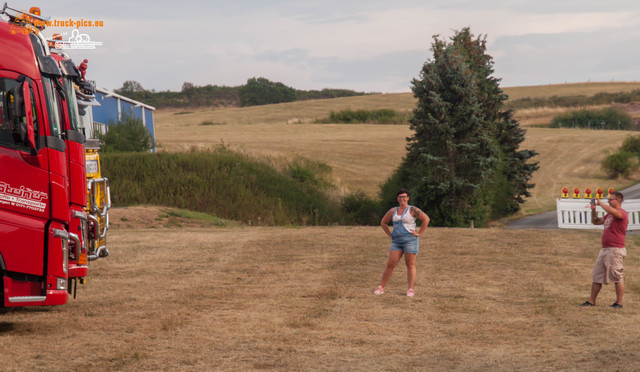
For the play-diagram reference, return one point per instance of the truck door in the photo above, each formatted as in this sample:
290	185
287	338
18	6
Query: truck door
24	178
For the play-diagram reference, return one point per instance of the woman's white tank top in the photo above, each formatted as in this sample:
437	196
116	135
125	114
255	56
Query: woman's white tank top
408	220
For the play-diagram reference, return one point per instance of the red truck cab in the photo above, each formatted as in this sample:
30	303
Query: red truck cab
34	188
75	153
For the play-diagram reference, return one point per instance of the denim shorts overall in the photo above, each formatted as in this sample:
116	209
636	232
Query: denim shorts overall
401	238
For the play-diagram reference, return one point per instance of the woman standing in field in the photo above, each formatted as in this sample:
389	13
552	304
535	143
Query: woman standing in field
404	239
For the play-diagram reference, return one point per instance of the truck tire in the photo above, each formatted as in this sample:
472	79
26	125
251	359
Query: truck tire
3	310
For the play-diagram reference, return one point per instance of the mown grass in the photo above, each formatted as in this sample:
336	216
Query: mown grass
197	215
221	183
282	299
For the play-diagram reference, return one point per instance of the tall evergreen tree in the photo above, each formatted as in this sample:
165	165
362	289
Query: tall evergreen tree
463	161
515	170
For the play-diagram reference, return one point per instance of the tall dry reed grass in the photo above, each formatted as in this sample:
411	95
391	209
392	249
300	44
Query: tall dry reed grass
226	184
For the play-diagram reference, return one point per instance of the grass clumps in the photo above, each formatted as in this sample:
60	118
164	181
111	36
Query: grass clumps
196	216
209	122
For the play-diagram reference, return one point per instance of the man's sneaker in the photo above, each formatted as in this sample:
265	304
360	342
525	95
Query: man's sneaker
587	303
410	292
379	290
616	305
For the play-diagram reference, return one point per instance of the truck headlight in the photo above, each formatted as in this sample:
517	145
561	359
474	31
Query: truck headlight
61	283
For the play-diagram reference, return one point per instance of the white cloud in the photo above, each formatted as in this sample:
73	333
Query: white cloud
373	45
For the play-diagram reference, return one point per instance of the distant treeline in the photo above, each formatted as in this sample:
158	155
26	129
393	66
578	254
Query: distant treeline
575	101
257	91
261	91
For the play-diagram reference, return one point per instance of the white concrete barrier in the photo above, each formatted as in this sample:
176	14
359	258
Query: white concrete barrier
576	213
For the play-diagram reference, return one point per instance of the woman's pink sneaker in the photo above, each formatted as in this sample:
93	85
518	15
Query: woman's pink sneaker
410	292
379	290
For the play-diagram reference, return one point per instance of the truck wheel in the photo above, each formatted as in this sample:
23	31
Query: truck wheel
3	310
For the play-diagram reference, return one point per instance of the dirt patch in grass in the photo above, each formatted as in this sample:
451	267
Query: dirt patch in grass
139	217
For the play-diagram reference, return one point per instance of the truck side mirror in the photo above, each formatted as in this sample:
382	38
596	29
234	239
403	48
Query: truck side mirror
26	93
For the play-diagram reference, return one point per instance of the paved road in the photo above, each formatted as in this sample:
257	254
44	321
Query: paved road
549	220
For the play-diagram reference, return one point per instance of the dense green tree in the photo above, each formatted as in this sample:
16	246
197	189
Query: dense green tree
463	161
450	158
631	144
187	86
261	91
129	87
127	135
514	170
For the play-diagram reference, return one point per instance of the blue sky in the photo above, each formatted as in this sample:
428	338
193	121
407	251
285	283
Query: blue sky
372	45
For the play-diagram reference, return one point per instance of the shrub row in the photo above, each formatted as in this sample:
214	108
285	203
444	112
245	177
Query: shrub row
575	101
609	118
382	116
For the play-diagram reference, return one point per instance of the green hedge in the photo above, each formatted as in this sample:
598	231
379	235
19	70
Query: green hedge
382	116
609	118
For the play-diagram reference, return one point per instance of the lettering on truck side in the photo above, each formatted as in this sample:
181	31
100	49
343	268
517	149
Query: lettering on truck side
22	197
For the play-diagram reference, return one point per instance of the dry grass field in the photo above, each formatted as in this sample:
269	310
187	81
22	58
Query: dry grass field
361	156
570	89
571	158
308	111
198	298
288	113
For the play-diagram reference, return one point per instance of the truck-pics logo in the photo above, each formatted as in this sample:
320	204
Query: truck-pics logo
76	41
22	197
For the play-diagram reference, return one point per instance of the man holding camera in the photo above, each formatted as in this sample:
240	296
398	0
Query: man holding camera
608	267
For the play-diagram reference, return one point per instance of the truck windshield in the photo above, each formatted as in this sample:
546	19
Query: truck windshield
72	104
51	97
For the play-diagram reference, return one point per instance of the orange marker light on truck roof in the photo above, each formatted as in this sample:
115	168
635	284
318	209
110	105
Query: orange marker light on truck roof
53	41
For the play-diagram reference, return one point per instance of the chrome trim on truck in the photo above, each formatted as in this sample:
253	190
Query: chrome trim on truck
27	298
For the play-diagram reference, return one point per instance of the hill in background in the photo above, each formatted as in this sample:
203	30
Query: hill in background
261	91
362	156
257	91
